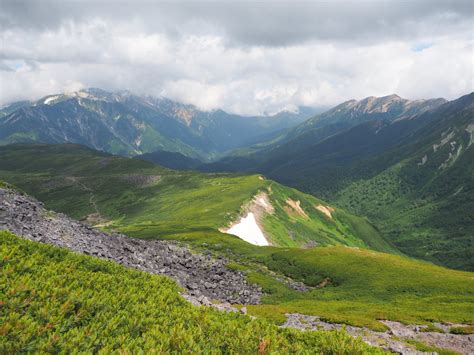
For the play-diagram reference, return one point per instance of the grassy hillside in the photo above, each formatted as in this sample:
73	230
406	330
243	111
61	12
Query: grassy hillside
365	286
121	193
361	286
412	177
424	201
54	301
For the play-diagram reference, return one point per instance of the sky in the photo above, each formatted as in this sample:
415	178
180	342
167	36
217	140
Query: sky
245	57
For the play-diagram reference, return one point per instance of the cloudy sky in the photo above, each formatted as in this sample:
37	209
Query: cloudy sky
243	56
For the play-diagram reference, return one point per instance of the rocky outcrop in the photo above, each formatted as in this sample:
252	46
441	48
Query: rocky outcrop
395	339
202	277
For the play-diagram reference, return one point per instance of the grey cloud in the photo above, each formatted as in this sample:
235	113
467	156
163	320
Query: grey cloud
269	23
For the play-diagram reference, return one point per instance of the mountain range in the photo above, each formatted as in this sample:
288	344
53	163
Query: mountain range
407	165
127	124
301	223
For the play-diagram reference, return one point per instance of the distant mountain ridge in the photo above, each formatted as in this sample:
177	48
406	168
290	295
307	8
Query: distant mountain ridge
335	121
127	124
345	116
413	175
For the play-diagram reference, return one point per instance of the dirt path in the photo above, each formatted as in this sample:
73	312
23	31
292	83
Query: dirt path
93	218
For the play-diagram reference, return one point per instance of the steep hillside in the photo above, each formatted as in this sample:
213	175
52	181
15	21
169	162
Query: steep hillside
121	193
82	304
320	164
338	284
352	113
127	124
318	128
412	176
424	200
6	110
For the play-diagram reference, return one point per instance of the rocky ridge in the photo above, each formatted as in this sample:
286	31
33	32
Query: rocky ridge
203	278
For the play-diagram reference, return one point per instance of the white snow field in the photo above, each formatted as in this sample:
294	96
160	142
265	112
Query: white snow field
248	230
50	99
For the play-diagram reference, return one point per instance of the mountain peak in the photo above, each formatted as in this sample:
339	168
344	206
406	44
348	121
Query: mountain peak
392	97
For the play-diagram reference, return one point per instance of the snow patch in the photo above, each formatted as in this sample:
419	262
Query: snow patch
248	230
50	99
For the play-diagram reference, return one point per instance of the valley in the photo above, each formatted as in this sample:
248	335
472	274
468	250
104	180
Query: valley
127	124
286	257
237	177
273	284
410	172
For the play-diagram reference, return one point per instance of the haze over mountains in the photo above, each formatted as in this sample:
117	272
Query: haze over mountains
123	123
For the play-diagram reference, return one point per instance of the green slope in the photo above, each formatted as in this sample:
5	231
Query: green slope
128	194
413	178
362	286
367	285
424	202
55	301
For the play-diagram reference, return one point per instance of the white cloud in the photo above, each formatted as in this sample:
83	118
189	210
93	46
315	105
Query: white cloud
211	66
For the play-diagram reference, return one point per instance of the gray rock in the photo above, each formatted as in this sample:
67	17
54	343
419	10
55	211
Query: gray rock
393	340
200	274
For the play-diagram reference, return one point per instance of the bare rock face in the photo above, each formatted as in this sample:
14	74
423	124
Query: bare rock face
202	277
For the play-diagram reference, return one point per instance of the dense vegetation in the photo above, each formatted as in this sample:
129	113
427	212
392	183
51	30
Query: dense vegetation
423	203
53	300
412	177
122	193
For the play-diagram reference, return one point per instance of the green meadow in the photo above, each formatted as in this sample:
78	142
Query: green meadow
361	286
122	193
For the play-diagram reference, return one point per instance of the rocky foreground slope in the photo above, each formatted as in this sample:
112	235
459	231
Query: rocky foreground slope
202	277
